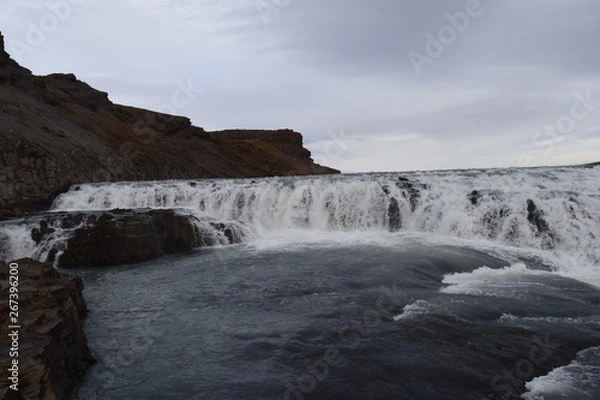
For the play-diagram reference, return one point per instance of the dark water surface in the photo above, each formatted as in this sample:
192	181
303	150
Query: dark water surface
343	321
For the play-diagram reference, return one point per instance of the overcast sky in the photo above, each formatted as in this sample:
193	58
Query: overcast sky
373	85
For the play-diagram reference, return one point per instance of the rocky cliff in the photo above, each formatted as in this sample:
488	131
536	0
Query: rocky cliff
56	131
50	347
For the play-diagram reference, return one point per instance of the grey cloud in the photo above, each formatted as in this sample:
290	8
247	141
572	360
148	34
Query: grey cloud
322	65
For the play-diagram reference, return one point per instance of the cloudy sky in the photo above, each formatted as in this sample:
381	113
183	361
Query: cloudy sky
373	85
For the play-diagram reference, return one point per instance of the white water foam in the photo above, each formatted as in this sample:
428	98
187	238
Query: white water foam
419	307
504	282
577	381
591	320
206	228
16	240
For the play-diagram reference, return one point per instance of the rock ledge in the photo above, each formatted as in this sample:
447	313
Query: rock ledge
53	354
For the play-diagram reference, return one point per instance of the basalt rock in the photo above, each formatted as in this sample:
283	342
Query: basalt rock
479	196
394	215
474	197
53	354
535	216
126	236
56	131
411	191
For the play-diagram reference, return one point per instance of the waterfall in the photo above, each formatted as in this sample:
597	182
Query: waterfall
541	208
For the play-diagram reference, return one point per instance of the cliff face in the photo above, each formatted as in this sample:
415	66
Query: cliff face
56	131
53	354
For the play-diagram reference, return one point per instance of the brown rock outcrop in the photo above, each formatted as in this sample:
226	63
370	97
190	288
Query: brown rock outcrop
56	131
53	354
126	236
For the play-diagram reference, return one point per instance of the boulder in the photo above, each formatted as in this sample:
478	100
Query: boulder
124	236
53	354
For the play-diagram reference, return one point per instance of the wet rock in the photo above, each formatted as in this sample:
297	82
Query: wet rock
38	233
535	217
53	350
126	236
474	197
410	191
394	215
232	234
123	236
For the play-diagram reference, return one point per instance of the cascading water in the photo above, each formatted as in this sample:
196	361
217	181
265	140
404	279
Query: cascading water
36	238
556	208
550	210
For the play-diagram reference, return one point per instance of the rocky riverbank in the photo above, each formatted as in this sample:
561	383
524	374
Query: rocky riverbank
50	347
